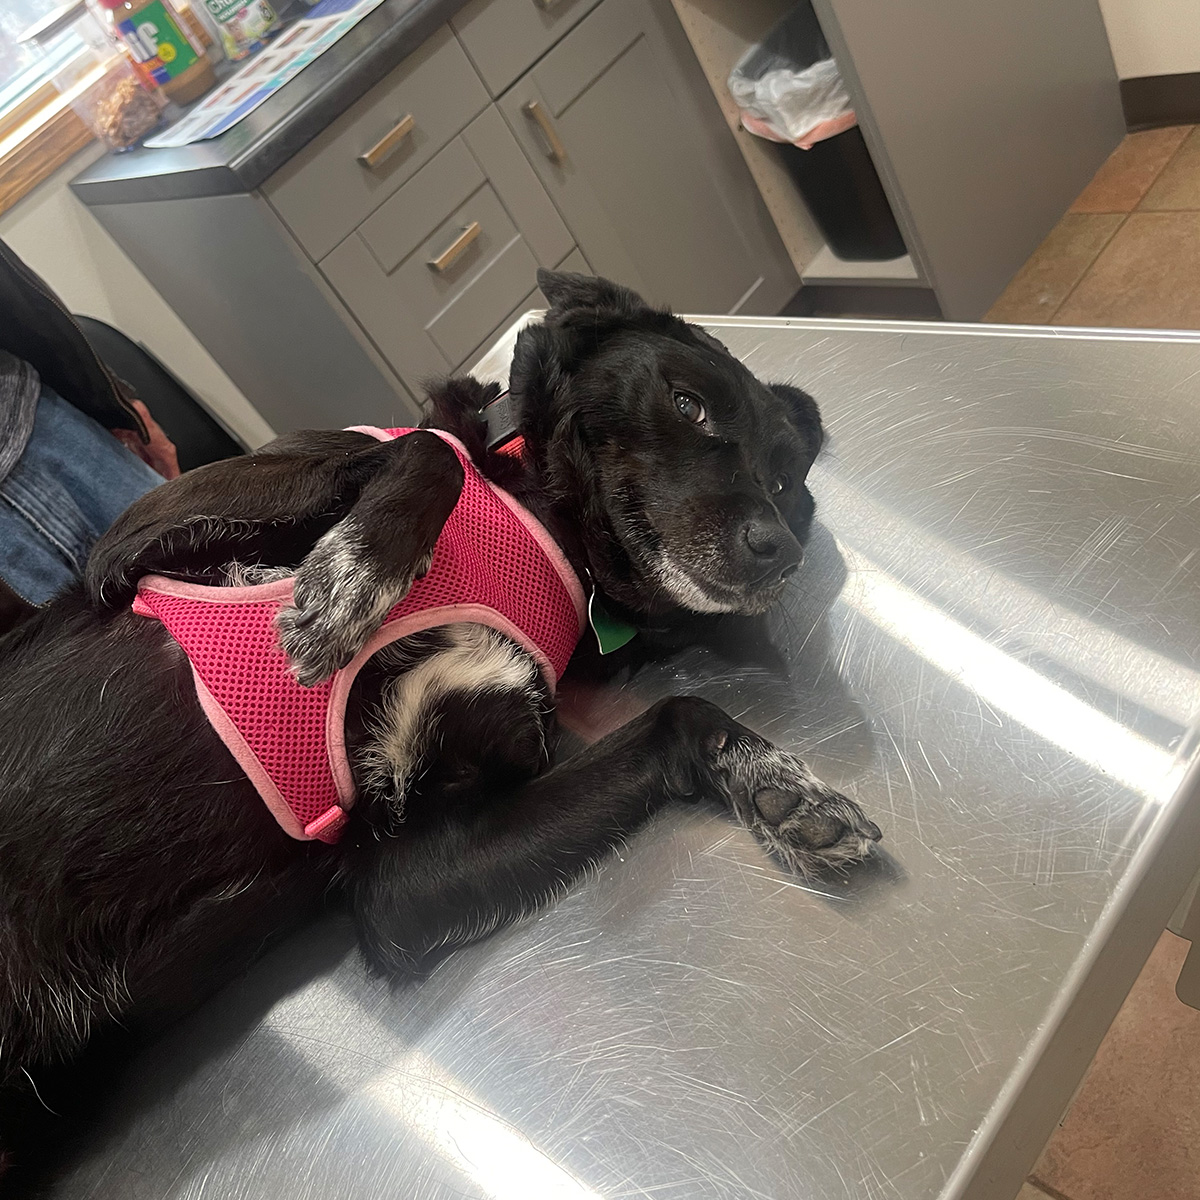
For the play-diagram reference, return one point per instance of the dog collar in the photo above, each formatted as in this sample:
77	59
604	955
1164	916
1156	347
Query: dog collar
504	437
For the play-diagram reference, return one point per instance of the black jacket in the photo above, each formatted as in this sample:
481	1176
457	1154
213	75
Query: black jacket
35	325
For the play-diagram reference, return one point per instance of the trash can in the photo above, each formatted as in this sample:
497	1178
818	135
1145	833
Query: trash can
789	91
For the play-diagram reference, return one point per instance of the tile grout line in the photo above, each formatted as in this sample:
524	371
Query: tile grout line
1052	1192
1124	217
1169	160
1088	269
1158	175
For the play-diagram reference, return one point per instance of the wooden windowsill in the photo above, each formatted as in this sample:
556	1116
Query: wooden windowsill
41	133
33	151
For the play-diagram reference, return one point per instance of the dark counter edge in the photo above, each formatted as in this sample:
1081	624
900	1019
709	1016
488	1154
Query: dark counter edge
255	148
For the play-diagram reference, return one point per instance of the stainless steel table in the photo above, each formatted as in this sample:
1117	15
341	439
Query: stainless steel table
995	646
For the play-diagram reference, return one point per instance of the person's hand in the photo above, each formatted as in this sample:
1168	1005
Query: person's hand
159	452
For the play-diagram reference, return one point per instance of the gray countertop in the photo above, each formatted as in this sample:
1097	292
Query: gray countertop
256	147
994	646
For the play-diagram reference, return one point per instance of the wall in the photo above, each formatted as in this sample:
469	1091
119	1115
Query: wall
57	236
1153	37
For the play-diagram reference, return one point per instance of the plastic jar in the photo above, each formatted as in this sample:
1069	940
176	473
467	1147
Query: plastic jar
163	47
91	71
244	25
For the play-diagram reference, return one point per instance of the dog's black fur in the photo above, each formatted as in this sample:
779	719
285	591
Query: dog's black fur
138	867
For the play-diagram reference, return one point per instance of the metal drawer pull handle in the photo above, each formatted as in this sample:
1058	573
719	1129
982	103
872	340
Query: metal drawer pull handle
555	150
386	146
456	247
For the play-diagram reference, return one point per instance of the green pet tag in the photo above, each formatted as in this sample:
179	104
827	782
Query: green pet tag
611	632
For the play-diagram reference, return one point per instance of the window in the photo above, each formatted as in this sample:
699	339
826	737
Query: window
38	130
25	72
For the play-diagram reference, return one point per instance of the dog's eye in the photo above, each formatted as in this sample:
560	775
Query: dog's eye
690	408
779	485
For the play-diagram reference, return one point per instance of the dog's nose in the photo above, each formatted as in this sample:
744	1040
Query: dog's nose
774	551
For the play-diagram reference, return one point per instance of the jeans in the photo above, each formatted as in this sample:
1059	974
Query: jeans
72	481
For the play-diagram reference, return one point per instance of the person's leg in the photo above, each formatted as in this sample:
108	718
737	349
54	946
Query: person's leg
13	609
72	481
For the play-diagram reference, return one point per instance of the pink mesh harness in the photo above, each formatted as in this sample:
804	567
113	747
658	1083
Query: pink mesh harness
494	564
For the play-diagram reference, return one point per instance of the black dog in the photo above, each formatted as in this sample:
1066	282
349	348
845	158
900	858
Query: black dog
139	868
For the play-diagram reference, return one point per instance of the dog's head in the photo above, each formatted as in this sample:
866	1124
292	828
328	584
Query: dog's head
684	475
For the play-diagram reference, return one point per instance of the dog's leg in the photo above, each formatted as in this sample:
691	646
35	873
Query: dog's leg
269	507
361	517
367	562
449	882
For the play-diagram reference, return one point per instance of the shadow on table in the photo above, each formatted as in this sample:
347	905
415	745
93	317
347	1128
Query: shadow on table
778	675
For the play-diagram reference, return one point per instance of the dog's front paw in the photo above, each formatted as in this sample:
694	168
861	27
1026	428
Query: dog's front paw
832	831
805	823
340	598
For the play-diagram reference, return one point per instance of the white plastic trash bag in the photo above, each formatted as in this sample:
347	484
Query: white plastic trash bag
789	88
791	103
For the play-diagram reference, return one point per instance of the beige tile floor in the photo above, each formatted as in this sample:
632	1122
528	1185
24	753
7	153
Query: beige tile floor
1133	1130
1127	253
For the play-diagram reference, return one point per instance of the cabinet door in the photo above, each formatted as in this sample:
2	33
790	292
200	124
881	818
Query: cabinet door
985	121
506	37
334	183
433	270
621	139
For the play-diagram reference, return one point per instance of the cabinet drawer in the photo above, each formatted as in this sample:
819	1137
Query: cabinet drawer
573	262
457	327
402	223
426	321
486	150
504	37
327	190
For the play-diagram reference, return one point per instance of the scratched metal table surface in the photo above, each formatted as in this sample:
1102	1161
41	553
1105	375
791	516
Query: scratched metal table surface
995	646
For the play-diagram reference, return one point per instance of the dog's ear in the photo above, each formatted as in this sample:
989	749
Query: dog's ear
456	405
802	411
584	311
567	291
